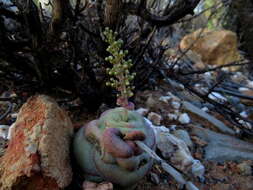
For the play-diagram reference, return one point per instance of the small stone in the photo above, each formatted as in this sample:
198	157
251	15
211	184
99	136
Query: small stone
198	169
63	35
142	111
184	118
172	116
10	131
241	89
155	118
181	86
165	99
175	105
205	109
14	115
245	124
151	102
250	84
245	168
238	77
4	129
173	127
154	178
174	98
217	97
244	114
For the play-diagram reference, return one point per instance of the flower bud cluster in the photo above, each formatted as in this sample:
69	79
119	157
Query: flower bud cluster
120	76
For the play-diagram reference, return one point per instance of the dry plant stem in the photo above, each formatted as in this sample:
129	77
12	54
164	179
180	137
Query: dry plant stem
60	9
122	100
173	172
202	71
57	14
112	12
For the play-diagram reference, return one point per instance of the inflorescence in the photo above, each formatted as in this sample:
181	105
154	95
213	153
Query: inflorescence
120	76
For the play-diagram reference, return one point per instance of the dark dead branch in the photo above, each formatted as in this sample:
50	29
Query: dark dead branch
174	13
216	6
232	93
234	64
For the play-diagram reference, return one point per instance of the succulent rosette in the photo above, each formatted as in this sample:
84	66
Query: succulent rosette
105	149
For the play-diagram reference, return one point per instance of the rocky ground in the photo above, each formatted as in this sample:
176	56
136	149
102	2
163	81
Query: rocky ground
202	119
227	157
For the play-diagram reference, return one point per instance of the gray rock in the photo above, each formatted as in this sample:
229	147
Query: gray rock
183	135
195	110
223	148
155	118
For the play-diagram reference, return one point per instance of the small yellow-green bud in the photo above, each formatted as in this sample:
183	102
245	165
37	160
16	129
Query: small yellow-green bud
131	77
130	94
120	41
121	53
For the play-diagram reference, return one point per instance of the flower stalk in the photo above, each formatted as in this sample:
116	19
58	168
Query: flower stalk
120	76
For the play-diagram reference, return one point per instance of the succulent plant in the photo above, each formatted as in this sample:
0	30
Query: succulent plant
105	149
120	76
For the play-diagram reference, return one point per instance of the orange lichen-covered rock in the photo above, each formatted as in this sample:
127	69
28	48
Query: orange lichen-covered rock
215	47
37	157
